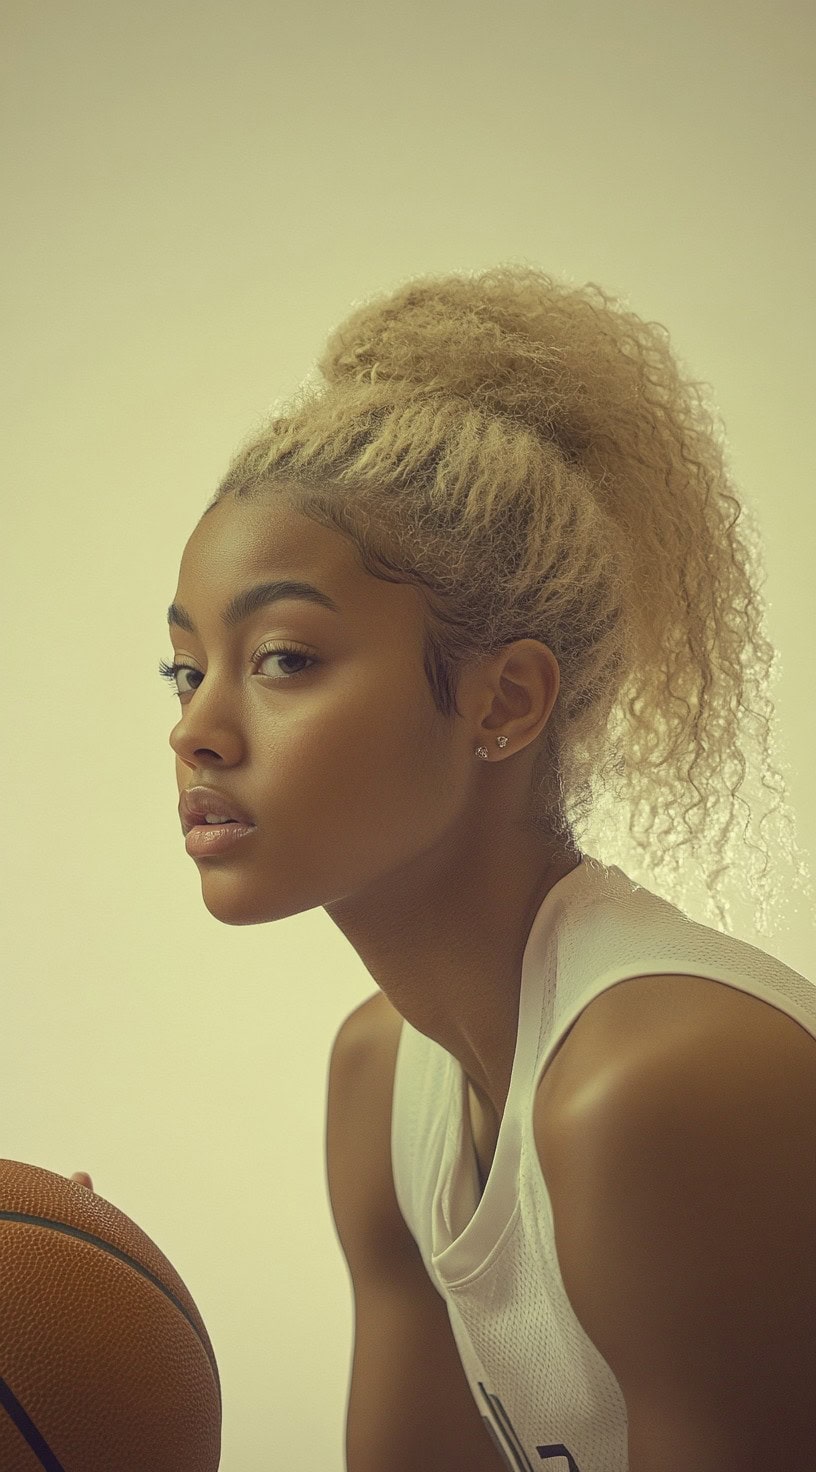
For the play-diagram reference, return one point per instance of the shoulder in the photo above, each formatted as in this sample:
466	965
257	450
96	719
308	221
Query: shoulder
681	1178
647	1017
366	1046
375	1021
672	1039
640	1034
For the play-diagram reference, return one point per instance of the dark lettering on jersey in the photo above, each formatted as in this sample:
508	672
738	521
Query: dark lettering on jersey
502	1433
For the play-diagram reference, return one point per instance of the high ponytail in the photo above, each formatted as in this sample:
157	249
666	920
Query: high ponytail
530	455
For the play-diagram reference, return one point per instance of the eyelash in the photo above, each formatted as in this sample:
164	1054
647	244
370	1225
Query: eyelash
170	671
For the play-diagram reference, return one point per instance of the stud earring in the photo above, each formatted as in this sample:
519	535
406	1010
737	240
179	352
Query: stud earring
483	752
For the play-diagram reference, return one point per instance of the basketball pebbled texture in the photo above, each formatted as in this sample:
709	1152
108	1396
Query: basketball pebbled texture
105	1362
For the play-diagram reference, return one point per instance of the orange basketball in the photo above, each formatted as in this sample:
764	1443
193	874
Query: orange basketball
105	1363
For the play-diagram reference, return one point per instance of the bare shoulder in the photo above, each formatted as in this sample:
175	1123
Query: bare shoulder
375	1012
373	1030
646	1017
361	1183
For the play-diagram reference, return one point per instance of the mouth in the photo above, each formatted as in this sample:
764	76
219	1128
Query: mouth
225	823
206	840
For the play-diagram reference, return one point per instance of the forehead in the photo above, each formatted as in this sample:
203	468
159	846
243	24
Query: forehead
241	542
240	538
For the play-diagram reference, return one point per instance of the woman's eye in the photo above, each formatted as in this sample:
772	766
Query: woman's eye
171	672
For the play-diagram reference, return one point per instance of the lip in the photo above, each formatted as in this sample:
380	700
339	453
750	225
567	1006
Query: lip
196	802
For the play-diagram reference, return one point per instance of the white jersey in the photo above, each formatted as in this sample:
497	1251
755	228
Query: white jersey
545	1392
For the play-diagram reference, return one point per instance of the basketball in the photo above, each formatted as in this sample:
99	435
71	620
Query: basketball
105	1363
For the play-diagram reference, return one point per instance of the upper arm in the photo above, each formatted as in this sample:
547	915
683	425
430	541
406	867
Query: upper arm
410	1405
684	1197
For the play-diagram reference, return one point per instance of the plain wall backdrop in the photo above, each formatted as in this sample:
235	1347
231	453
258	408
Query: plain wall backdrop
194	195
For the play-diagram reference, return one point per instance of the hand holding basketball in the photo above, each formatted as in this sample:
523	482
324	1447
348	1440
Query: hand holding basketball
82	1178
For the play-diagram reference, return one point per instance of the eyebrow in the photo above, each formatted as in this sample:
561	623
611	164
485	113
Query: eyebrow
244	604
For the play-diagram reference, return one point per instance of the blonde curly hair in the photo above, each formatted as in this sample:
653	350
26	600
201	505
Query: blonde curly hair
528	453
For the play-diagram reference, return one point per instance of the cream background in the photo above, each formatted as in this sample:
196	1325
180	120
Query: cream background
194	195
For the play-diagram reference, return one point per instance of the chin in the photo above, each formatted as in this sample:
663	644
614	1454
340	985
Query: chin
243	908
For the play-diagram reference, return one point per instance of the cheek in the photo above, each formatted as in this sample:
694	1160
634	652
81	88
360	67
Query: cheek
331	763
361	780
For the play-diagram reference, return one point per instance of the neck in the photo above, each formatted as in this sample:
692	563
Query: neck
444	937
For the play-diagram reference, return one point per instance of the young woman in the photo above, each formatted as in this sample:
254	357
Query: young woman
491	567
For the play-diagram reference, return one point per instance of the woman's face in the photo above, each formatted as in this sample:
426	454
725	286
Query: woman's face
336	751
